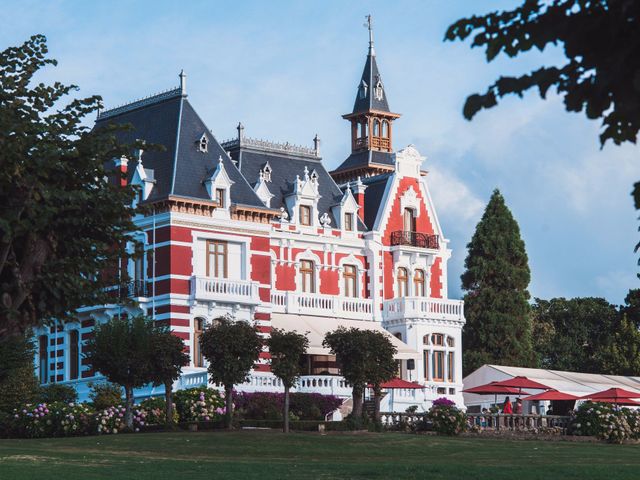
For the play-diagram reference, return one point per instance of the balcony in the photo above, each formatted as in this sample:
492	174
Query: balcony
420	307
322	305
414	239
134	289
225	290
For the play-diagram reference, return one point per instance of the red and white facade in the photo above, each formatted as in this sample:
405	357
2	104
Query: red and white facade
261	232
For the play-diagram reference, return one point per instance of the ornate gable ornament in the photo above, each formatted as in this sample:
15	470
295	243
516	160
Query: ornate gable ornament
408	162
218	179
262	190
411	201
143	178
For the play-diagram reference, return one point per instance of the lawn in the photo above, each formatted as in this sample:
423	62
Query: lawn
265	455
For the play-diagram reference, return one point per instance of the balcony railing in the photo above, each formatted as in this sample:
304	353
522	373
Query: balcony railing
420	307
322	305
225	290
137	288
414	239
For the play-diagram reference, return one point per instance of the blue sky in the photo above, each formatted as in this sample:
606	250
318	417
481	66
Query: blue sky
288	70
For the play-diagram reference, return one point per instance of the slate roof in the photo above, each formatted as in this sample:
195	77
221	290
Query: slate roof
285	167
366	157
170	120
373	196
370	78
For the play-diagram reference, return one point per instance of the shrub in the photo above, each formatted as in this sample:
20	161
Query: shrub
20	387
447	419
51	420
56	392
269	406
588	418
605	421
111	420
155	410
199	404
105	395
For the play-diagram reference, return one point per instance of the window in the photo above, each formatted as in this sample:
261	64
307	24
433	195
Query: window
307	274
437	339
348	222
425	361
74	354
220	197
363	130
350	281
376	128
450	366
198	358
377	91
418	283
398	336
203	144
305	215
438	366
216	259
425	339
403	282
409	220
451	342
385	129
42	358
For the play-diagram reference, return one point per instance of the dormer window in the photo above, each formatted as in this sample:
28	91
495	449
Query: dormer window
314	176
203	143
362	89
377	91
305	215
348	222
266	173
220	194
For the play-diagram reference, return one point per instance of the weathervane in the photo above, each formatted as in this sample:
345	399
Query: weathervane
369	25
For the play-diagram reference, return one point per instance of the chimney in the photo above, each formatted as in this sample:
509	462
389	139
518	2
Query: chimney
358	192
121	167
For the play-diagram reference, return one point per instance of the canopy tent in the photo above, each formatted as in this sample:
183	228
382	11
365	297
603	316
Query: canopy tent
550	395
315	328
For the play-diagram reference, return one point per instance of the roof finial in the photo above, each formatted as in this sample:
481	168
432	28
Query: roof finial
316	145
183	82
240	129
369	25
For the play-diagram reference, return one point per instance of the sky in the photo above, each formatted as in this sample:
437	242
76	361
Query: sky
289	70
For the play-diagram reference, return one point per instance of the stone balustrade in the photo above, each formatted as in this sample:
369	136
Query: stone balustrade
225	290
422	307
322	305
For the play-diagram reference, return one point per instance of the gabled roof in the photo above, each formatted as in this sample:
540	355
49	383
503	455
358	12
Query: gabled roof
181	168
373	196
285	167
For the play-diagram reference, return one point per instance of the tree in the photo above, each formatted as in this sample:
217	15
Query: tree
600	39
168	358
575	334
622	355
285	349
382	366
121	350
18	382
498	328
232	349
60	222
15	352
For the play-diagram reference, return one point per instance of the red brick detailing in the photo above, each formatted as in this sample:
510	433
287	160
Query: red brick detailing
87	335
182	335
436	275
87	323
330	282
261	269
262	316
260	244
260	367
263	329
396	222
88	374
265	294
180	322
285	277
360	199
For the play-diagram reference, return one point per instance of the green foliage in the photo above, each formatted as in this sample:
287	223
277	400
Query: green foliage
447	419
605	421
56	392
60	221
57	419
285	349
104	395
199	404
232	348
168	356
15	351
498	328
18	383
585	335
599	39
155	409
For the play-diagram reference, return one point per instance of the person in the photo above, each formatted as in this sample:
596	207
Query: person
518	409
483	419
507	408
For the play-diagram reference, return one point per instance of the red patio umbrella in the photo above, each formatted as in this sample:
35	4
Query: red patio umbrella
399	383
550	395
493	389
612	395
618	401
522	382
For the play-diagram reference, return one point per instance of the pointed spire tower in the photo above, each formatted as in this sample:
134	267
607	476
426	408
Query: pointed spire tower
371	124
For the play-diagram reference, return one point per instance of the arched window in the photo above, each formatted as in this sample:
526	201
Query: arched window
385	129
308	278
363	130
437	339
376	128
198	328
425	340
403	282
43	358
419	283
74	355
451	342
350	276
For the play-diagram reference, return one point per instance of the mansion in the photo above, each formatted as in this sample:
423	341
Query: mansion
262	232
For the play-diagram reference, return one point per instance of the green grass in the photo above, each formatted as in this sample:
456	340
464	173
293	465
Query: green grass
264	455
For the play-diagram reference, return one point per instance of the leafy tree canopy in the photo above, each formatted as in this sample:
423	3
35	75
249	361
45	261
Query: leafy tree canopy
285	349
600	40
498	328
61	222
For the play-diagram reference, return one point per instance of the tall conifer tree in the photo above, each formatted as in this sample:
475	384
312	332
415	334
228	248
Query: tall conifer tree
496	278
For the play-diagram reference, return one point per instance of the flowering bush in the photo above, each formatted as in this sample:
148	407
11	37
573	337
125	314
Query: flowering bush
111	420
447	419
156	411
199	404
49	420
588	418
269	406
605	421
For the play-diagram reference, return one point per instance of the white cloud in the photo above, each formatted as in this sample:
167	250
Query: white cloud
452	197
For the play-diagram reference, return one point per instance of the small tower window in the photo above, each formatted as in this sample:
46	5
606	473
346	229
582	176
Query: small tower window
362	89
348	222
385	129
203	143
376	128
305	215
266	173
220	197
378	91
